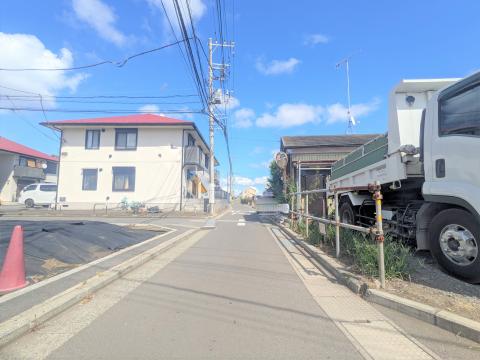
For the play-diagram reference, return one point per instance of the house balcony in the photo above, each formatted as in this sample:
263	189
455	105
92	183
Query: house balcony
194	156
27	172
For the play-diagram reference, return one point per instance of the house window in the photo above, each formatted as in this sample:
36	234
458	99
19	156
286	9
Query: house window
92	139
51	168
90	177
190	140
123	178
24	161
207	161
126	139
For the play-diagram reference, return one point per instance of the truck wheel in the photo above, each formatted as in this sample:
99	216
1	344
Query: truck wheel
454	237
29	203
346	213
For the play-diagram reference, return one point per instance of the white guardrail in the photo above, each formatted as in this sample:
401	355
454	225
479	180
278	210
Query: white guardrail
272	208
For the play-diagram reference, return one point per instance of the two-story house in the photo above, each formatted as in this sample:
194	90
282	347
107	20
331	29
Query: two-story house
145	158
20	166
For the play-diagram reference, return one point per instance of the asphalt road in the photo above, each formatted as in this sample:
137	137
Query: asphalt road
240	291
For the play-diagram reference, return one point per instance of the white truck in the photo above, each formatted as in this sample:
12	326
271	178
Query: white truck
428	165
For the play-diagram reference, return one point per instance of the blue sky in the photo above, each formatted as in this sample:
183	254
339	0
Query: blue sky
285	77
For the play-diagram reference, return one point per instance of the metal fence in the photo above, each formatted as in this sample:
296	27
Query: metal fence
376	230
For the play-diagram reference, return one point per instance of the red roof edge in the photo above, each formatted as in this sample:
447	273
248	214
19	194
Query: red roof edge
16	148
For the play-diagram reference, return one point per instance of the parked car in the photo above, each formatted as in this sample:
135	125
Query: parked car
38	194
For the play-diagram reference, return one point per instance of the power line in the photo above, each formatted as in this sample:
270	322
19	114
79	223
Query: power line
190	67
115	63
32	99
199	77
53	97
14	110
106	111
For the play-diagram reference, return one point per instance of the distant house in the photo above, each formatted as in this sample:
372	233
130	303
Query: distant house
151	159
20	166
248	195
313	157
316	154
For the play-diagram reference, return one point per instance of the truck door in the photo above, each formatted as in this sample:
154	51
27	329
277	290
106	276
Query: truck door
452	145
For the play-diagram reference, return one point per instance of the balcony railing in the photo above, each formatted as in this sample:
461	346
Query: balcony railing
28	172
193	155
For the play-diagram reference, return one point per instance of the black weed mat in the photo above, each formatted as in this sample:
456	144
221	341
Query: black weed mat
52	247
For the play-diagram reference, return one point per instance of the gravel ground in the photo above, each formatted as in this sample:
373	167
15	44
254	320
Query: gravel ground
429	285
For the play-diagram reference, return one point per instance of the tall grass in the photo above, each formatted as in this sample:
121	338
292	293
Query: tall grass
361	249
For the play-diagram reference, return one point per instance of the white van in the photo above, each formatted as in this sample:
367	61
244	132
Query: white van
38	194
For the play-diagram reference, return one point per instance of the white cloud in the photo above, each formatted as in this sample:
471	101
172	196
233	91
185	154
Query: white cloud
243	118
315	39
149	109
246	181
101	18
197	10
154	109
27	51
288	115
339	112
230	102
277	67
260	165
241	180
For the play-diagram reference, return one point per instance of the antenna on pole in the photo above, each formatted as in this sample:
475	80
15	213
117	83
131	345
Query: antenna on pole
351	120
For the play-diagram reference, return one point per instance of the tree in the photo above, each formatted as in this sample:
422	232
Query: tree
275	182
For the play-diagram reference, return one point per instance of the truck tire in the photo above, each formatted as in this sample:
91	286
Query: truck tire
29	203
346	213
454	236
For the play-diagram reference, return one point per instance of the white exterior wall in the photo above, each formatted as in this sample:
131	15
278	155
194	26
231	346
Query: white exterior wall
51	178
8	185
157	161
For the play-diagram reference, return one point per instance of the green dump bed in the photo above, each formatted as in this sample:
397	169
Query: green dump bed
368	154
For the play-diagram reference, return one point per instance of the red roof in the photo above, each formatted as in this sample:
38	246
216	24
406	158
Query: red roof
140	119
13	147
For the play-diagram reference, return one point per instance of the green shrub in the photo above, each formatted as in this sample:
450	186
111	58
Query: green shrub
361	249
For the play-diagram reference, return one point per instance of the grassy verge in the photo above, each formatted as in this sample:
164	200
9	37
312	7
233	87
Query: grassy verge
360	249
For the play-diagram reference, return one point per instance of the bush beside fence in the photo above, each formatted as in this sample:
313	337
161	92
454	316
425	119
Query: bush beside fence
359	249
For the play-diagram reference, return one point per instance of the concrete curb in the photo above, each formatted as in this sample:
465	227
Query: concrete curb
446	320
22	323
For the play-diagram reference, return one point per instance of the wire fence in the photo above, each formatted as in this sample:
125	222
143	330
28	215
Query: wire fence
299	203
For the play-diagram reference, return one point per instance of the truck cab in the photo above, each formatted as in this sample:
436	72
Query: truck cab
451	162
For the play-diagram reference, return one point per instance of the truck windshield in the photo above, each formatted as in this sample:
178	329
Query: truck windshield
460	113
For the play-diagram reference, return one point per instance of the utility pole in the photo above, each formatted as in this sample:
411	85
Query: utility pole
211	197
212	101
